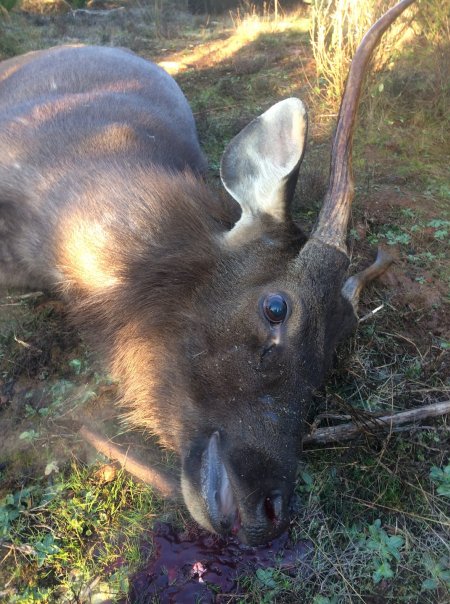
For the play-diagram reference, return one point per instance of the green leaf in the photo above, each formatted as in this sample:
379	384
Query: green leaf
265	577
444	490
75	364
395	543
307	478
29	435
441	477
441	234
444	575
437	223
430	584
384	571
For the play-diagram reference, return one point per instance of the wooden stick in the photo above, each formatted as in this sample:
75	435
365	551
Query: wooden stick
375	424
96	12
158	479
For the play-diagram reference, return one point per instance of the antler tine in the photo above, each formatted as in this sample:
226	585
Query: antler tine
334	215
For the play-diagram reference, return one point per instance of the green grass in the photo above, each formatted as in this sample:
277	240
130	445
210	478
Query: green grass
67	532
8	5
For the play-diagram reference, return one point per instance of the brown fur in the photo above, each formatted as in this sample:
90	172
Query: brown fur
101	198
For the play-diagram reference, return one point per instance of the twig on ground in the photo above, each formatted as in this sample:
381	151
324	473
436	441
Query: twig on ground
158	479
85	12
385	423
27	345
371	313
26	296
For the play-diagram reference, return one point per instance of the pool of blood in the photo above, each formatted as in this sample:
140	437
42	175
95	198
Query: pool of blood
193	566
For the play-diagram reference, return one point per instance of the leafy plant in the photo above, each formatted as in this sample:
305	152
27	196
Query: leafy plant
324	600
386	549
31	595
12	506
265	577
439	571
308	480
394	235
442	228
272	582
45	548
29	435
441	477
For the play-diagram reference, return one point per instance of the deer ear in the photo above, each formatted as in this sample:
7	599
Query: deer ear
259	167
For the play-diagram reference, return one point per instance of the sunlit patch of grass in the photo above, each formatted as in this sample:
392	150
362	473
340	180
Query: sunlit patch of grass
245	29
79	536
46	7
336	30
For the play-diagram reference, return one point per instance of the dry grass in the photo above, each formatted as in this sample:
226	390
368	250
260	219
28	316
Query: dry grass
337	27
44	7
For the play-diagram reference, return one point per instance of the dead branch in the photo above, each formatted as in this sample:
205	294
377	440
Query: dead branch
37	294
158	479
386	423
85	12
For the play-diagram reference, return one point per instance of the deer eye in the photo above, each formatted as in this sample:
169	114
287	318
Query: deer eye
275	308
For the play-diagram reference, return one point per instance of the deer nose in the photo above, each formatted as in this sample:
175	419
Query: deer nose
273	507
267	519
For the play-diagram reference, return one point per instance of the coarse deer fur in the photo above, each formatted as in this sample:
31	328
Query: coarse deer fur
219	319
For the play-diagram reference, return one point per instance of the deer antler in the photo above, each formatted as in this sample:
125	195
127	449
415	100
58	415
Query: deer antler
334	215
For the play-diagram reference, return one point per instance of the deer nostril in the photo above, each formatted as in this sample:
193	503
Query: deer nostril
273	506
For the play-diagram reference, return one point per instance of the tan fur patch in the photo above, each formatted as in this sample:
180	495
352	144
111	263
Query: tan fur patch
9	72
86	257
112	138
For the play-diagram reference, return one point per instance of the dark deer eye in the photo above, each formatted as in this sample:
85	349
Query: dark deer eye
275	308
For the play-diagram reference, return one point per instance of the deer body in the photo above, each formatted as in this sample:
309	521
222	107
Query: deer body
218	322
70	117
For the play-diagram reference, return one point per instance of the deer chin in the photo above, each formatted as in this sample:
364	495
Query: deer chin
226	510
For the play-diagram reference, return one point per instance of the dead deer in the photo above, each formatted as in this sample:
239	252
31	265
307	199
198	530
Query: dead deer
219	319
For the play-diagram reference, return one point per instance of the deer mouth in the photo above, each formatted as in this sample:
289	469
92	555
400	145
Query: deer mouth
221	501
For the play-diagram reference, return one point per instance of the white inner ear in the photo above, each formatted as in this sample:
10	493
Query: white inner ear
257	163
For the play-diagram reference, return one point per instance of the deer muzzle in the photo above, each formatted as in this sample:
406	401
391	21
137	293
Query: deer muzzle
228	502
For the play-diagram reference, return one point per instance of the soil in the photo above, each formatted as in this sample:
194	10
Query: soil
417	293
